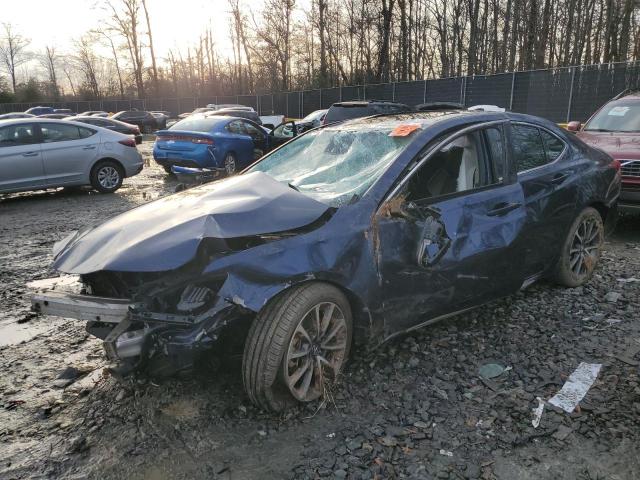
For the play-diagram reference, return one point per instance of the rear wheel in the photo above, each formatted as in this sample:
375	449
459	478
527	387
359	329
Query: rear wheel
230	164
296	345
581	249
106	176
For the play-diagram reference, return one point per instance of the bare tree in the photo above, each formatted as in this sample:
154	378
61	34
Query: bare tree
154	68
87	63
49	60
109	42
13	51
125	22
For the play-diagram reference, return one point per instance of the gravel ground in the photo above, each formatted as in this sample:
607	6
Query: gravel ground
415	408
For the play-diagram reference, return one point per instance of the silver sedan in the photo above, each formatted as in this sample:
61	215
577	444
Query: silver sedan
44	153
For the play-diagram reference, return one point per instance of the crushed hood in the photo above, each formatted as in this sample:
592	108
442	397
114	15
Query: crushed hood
165	234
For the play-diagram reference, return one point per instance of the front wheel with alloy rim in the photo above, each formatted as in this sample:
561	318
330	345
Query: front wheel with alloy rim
581	249
296	346
230	164
106	176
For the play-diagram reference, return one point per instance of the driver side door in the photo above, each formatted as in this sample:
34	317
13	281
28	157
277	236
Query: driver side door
450	238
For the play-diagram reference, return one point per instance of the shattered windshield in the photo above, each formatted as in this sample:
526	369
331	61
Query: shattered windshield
337	164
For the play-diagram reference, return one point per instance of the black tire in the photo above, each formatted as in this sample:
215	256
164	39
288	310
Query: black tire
581	249
147	129
230	164
106	176
264	363
167	168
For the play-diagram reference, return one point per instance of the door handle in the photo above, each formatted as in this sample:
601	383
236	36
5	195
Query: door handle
502	208
90	147
559	178
30	154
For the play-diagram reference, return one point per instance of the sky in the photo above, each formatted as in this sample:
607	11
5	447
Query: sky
174	23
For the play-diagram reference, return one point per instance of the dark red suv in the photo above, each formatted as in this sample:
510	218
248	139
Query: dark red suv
615	128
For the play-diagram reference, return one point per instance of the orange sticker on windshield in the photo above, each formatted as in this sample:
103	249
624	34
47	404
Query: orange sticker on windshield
404	130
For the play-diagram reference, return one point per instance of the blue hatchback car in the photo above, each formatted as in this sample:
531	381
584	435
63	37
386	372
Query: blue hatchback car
227	144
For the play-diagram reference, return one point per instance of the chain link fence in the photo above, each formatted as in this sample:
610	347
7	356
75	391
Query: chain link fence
559	94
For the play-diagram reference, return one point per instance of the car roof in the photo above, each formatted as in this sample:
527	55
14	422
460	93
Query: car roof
430	118
13	121
364	103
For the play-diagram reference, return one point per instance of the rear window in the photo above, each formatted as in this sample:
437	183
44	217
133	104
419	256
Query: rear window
196	124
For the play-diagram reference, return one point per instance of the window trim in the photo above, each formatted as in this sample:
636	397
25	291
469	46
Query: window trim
539	127
435	149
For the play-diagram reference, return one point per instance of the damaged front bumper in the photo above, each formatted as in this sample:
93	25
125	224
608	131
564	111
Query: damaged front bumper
81	307
133	335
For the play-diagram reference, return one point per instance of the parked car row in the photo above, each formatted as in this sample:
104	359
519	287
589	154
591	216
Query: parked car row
229	137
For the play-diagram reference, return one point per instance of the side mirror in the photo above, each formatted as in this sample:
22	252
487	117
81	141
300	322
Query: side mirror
434	242
574	126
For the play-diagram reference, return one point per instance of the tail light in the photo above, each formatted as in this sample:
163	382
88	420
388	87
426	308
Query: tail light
204	141
128	142
185	138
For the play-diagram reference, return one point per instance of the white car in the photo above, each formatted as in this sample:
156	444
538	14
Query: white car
45	153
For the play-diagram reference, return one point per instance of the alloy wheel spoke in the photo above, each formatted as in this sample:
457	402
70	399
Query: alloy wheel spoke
317	321
332	333
326	319
297	375
577	264
306	383
299	354
302	331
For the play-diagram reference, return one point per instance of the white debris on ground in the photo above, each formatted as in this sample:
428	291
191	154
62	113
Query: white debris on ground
576	386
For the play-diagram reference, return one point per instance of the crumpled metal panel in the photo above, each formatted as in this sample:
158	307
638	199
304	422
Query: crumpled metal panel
165	234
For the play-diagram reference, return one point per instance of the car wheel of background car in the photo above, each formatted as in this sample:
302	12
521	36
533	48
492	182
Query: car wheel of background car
296	344
147	129
106	176
230	164
581	249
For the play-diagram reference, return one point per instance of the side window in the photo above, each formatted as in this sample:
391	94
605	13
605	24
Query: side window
14	135
528	149
553	146
85	132
236	127
284	130
457	167
253	131
495	147
59	133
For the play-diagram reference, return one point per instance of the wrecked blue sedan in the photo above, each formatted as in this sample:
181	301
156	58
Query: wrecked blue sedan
349	233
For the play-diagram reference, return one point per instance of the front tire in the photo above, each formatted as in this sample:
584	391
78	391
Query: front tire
581	249
297	343
106	176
